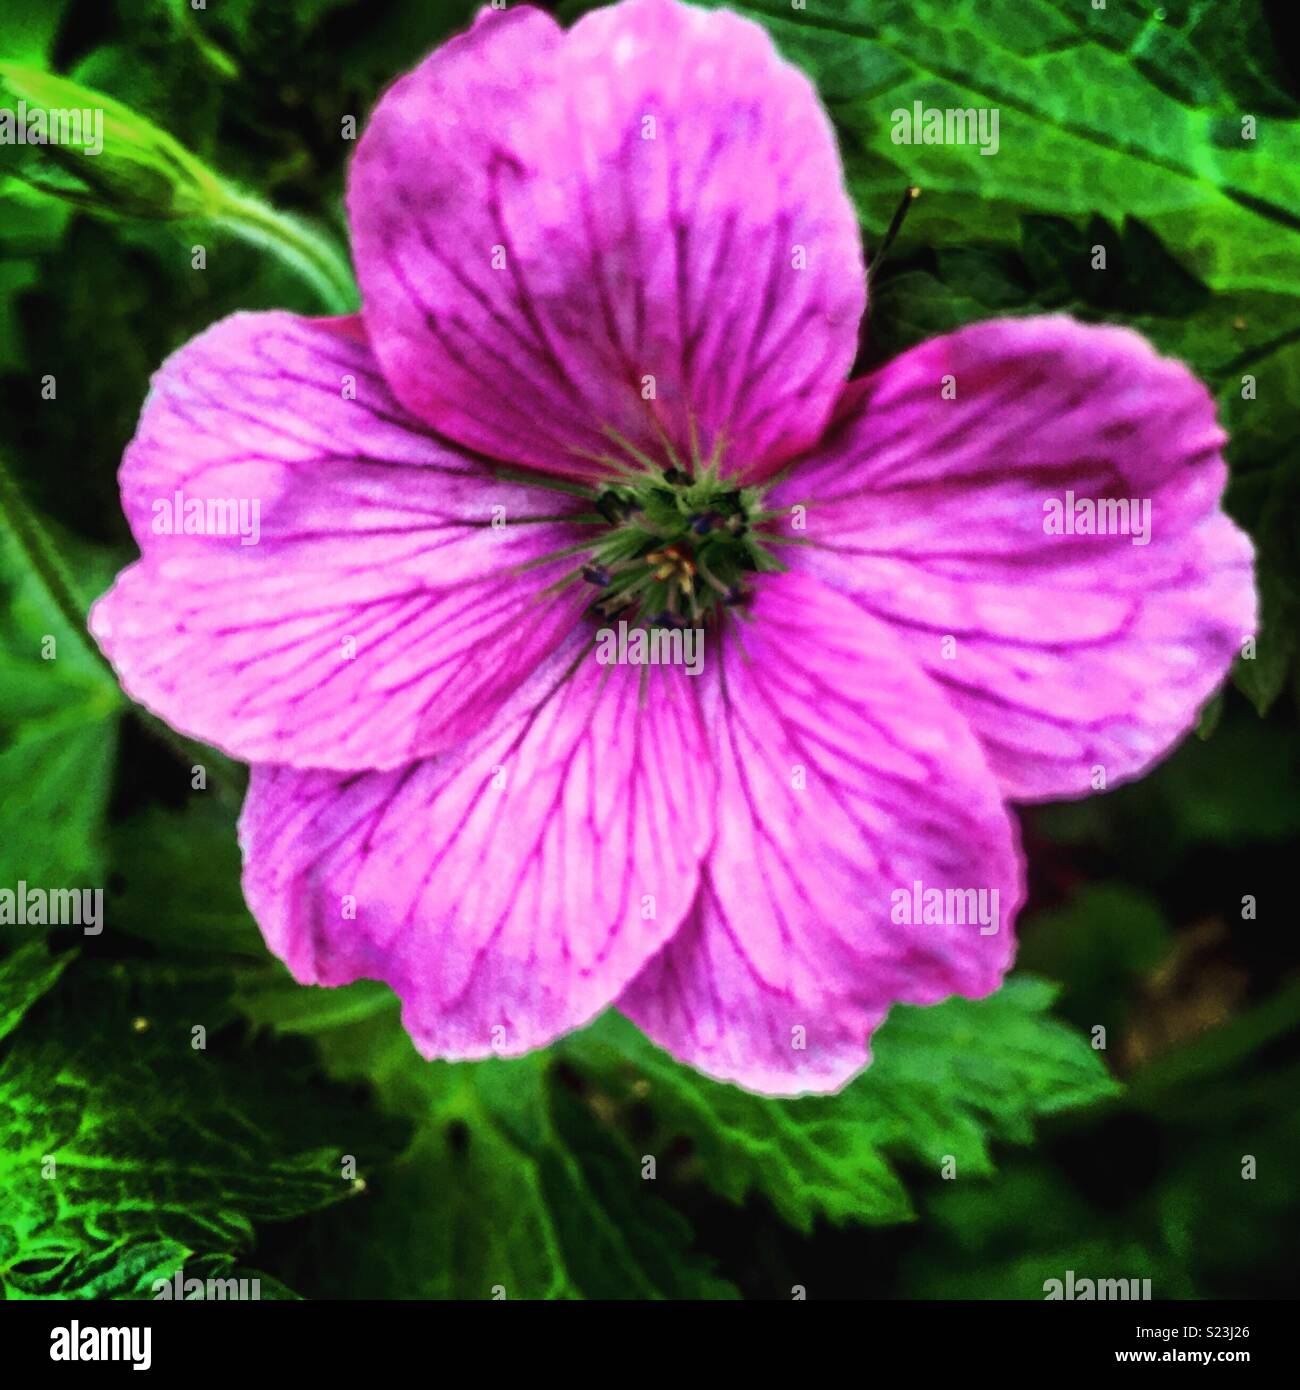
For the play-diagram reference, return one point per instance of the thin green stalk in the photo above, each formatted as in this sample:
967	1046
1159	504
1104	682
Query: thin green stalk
310	253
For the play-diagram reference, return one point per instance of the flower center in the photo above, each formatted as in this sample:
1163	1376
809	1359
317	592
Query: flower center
679	548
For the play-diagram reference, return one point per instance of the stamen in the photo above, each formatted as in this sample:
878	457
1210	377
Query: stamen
647	463
679	544
710	578
612	507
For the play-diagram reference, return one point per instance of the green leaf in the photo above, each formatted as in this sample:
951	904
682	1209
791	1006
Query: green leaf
509	1188
1208	719
1101	941
1005	1239
945	1081
1228	1210
31	224
1122	108
58	715
125	1149
26	974
223	1268
188	859
27	31
1269	502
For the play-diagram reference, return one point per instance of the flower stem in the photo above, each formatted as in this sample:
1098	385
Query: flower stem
310	253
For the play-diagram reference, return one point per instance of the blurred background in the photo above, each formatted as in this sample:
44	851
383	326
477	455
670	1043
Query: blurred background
1168	1153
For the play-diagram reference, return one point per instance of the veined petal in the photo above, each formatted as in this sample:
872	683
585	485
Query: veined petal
639	226
506	891
848	790
373	609
969	522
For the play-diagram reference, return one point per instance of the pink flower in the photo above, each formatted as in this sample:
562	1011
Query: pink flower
621	261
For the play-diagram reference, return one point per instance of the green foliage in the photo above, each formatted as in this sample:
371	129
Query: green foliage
29	30
25	975
1035	1227
125	166
550	1139
190	860
58	716
510	1186
133	1142
1122	108
1217	1223
944	1082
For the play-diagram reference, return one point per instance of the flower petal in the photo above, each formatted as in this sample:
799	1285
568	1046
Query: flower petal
1068	653
516	884
378	615
640	225
845	778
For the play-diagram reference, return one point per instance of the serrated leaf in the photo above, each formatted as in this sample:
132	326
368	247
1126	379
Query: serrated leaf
945	1080
223	1278
1114	109
125	1149
509	1189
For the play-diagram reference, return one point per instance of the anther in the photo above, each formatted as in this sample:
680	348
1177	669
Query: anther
612	507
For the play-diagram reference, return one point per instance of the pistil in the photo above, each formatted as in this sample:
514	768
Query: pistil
678	542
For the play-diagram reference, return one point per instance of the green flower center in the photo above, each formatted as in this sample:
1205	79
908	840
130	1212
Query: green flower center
678	549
